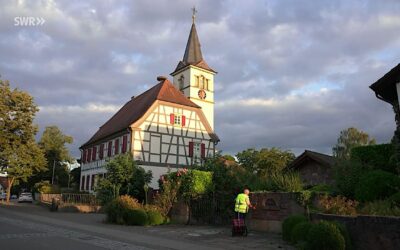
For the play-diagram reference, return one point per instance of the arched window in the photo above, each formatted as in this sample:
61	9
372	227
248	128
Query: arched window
202	80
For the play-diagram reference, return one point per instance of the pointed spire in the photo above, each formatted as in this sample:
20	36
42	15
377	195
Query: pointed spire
193	55
193	51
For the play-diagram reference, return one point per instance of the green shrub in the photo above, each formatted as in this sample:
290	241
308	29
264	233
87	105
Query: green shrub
375	156
323	188
289	223
380	208
325	236
119	210
155	218
345	233
377	185
300	231
135	217
104	191
395	200
286	182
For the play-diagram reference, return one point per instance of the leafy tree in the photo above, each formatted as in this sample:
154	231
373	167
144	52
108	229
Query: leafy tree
266	162
348	139
139	179
53	142
20	156
75	177
120	170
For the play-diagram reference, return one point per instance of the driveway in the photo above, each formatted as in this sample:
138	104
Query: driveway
29	226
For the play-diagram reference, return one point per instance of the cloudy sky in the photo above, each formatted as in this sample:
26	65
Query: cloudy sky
292	74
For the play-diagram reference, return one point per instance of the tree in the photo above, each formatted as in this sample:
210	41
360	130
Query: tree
139	179
266	162
20	156
53	143
348	139
119	171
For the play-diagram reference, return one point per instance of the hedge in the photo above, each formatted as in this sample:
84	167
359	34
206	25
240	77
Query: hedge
375	156
377	185
289	223
155	218
300	231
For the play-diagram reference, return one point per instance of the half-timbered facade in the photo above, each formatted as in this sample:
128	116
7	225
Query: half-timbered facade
169	126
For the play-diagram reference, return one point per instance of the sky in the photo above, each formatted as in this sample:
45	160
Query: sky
291	74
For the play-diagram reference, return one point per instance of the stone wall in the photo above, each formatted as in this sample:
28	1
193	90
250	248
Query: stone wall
369	232
272	209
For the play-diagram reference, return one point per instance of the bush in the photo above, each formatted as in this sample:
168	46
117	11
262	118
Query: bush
323	188
135	217
395	200
326	236
375	156
380	208
345	233
104	191
119	210
300	231
338	205
155	218
44	187
286	182
289	223
377	185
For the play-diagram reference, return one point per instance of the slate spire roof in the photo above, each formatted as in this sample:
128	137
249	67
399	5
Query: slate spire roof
193	55
135	108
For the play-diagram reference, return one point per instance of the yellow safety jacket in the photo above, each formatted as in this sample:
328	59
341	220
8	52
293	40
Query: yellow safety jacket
241	204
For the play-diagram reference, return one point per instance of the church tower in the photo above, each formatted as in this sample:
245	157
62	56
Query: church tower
194	78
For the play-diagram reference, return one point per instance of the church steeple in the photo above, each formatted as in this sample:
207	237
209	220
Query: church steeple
193	77
193	55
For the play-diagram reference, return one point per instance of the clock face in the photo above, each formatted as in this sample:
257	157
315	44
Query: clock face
202	94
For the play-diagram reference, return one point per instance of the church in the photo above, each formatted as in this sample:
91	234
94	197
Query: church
169	126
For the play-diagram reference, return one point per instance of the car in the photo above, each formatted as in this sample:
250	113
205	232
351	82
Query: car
13	197
25	197
3	196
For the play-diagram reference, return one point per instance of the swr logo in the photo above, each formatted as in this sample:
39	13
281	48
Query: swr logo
28	21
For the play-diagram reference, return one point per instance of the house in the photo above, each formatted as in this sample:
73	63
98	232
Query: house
388	86
314	168
169	126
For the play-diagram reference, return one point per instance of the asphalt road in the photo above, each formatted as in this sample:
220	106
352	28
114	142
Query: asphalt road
28	226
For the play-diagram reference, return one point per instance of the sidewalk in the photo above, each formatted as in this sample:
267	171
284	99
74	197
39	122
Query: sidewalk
173	236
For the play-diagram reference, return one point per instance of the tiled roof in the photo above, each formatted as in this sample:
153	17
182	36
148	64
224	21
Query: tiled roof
137	107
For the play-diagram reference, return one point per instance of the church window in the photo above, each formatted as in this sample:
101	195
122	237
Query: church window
197	80
177	119
201	85
206	84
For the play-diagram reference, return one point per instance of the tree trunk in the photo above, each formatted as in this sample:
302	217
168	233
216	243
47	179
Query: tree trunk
10	182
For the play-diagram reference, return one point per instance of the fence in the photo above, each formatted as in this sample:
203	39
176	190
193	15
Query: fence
216	208
70	199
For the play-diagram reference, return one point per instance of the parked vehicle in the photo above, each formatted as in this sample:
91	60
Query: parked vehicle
3	196
25	197
13	197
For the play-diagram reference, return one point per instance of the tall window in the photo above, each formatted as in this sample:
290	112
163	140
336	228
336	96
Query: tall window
201	85
181	82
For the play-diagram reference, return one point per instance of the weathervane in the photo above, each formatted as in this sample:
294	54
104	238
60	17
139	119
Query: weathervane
194	13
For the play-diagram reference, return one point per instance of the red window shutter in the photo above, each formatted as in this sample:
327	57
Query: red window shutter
191	149
101	152
172	118
116	146
87	182
94	153
183	121
89	155
124	143
92	182
83	183
109	149
203	150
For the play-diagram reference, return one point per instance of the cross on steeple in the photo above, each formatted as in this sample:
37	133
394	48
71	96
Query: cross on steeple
194	11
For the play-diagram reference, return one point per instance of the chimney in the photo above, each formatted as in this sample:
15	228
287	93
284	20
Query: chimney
161	78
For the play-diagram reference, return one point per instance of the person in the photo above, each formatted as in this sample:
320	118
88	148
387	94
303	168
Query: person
242	204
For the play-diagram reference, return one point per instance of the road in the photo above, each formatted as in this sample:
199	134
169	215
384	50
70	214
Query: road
30	226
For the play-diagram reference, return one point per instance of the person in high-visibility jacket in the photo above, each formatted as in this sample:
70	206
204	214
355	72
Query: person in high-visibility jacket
242	204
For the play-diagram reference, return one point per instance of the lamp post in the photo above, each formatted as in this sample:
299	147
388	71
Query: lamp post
146	189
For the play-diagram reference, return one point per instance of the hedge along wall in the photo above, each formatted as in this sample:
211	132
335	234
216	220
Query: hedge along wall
376	156
368	232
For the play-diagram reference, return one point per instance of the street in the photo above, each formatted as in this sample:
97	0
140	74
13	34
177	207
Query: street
28	226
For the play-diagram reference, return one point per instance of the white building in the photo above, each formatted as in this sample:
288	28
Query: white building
170	125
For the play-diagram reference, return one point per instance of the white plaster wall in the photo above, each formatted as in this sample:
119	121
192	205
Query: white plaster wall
157	172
